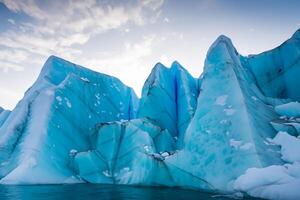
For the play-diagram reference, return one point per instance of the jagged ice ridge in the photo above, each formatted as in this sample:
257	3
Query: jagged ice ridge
217	132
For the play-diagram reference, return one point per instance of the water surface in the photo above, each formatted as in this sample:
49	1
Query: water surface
101	192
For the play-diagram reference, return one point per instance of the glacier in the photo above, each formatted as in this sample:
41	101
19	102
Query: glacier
235	129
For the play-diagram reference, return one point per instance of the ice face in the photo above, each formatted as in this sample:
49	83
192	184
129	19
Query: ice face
3	115
275	70
291	109
214	132
127	152
226	135
169	98
58	114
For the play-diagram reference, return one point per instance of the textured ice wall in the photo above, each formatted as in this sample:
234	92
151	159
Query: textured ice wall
57	115
76	125
226	135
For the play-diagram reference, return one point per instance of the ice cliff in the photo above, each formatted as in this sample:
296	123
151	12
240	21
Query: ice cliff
234	129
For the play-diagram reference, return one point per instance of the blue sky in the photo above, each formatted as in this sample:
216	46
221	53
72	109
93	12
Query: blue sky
127	38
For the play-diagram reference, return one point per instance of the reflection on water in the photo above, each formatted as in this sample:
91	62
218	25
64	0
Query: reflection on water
101	192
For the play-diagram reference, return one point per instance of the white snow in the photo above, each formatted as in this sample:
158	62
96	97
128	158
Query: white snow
58	98
229	111
290	146
106	173
221	100
273	182
147	148
246	146
85	79
73	152
157	156
68	103
124	175
276	181
165	154
239	144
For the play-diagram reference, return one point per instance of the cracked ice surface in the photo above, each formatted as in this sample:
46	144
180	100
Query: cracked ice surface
216	132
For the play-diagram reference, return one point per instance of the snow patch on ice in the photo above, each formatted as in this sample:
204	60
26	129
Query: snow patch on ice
221	100
68	103
290	146
229	111
58	98
85	79
106	173
276	181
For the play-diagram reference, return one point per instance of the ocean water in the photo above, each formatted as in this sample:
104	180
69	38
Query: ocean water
101	192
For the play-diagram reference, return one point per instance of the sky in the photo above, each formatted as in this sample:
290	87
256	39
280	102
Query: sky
127	38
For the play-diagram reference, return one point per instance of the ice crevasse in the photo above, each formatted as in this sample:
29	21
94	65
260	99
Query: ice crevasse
219	132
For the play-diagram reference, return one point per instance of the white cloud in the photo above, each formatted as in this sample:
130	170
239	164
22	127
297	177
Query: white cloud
11	21
164	59
7	96
10	59
6	66
125	63
56	26
29	7
166	20
153	4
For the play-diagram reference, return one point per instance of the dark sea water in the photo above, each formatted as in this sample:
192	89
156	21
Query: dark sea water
101	192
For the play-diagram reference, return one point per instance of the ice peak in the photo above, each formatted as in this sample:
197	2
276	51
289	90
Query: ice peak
296	35
159	67
222	50
222	39
176	64
53	58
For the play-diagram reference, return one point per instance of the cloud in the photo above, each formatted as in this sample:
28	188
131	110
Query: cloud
153	4
29	7
10	59
165	60
6	66
125	63
7	96
11	21
166	20
55	27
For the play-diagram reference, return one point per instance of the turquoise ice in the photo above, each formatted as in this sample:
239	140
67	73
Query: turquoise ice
127	152
169	98
56	116
77	125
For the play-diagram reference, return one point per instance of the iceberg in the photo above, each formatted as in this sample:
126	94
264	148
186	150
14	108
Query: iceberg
3	115
275	70
56	115
227	133
235	129
169	98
